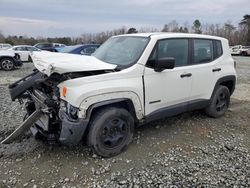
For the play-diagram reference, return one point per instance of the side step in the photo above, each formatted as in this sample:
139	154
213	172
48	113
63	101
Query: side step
24	127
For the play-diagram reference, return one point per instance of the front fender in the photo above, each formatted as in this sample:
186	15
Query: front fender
109	98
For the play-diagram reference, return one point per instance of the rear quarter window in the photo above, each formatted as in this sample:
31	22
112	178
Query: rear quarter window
217	49
203	51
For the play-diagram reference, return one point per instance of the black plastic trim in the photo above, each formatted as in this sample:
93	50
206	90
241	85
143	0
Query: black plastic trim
226	79
104	103
72	131
176	109
18	88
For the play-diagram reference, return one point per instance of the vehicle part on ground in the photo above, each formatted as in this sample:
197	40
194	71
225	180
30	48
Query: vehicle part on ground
23	127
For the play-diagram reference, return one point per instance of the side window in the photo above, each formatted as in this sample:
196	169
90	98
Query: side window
30	48
217	49
20	49
176	48
88	50
39	45
203	51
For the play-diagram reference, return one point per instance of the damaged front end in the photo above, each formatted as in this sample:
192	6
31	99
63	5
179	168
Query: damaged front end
48	117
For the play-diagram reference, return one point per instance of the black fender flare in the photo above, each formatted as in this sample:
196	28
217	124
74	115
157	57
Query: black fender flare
225	79
110	102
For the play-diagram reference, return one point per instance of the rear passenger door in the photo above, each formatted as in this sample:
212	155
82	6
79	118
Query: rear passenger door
205	68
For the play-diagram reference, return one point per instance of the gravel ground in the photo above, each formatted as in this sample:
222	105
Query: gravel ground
188	150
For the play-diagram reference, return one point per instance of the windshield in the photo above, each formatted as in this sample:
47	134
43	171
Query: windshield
123	51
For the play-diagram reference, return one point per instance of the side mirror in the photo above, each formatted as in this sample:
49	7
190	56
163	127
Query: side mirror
164	63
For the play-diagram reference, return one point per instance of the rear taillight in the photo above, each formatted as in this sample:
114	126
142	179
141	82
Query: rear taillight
235	64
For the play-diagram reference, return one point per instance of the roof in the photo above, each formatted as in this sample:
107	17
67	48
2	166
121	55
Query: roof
23	46
171	34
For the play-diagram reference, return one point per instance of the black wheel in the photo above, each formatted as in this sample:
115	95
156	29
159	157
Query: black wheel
7	64
219	102
111	130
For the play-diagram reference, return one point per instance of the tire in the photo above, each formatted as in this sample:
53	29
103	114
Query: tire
30	59
111	131
7	64
219	102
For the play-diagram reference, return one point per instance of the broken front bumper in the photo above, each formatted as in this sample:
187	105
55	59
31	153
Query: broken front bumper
45	115
71	131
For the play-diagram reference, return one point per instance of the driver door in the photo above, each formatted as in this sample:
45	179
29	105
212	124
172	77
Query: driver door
168	91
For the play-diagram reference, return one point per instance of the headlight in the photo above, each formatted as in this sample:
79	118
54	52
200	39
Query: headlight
72	111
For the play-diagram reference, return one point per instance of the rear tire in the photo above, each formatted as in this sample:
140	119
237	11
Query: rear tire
111	131
7	64
219	102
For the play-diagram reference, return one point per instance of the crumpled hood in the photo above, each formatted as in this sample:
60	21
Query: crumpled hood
51	62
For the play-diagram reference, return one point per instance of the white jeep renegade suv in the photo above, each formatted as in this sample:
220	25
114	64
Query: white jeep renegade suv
131	79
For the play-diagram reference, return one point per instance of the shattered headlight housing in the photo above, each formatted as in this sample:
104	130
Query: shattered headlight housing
70	110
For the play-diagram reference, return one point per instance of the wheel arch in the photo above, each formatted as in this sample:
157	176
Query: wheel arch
228	81
125	103
7	57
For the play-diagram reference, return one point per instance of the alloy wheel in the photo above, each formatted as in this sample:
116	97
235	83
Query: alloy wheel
7	64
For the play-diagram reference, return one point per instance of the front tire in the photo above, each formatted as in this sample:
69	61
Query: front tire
111	131
7	64
219	102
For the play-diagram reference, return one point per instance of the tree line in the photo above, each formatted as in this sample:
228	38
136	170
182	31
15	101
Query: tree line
239	34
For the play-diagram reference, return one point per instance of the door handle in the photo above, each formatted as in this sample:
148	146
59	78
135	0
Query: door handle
186	75
217	70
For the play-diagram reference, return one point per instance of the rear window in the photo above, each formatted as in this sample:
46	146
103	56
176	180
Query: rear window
47	45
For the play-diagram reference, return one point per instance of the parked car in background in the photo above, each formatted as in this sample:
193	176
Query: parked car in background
52	47
9	60
239	50
24	51
81	49
59	46
248	51
4	46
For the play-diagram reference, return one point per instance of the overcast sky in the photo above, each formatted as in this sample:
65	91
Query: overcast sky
72	18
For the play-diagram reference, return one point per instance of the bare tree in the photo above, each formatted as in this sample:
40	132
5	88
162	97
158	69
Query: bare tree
1	36
173	26
165	28
245	23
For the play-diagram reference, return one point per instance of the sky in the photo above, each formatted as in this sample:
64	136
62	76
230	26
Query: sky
58	18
